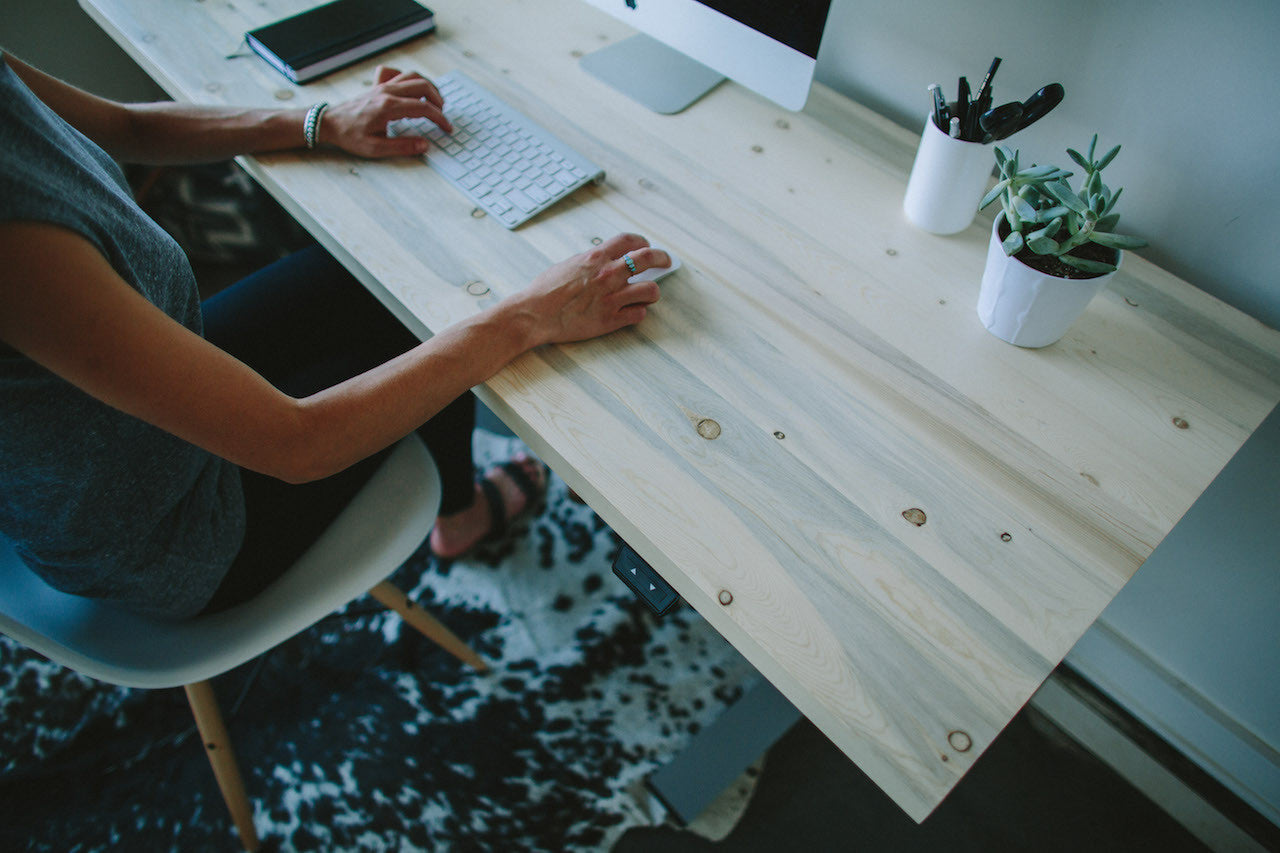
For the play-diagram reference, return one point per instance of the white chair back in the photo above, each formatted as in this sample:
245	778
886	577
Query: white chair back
373	536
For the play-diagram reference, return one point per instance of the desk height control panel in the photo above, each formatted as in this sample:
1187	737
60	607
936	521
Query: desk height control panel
644	581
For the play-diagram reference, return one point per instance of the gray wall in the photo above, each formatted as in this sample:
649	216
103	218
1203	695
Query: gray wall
1189	89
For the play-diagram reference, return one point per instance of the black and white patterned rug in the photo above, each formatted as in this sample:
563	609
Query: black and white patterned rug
358	735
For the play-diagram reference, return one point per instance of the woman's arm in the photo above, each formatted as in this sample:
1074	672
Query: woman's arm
173	133
62	305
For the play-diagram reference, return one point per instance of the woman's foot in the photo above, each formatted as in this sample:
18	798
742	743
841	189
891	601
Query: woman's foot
513	486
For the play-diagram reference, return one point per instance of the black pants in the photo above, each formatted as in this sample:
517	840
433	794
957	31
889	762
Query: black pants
305	324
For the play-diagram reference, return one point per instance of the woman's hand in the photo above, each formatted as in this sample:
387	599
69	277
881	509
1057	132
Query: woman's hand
359	125
588	294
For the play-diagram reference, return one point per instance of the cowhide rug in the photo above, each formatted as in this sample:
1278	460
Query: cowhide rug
359	735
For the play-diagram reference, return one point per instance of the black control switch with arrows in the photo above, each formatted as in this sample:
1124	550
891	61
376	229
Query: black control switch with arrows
644	581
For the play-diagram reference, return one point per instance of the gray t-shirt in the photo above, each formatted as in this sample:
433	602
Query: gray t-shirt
98	502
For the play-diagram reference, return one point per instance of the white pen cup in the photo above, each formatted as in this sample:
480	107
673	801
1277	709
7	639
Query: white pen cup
947	181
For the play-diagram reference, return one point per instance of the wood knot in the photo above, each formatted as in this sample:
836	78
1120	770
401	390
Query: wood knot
1181	423
708	429
725	597
476	288
915	515
960	741
779	434
1006	537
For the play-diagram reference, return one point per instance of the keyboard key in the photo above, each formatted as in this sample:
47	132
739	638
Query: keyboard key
521	200
447	166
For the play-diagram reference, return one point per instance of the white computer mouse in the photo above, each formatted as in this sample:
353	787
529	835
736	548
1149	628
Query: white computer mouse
657	273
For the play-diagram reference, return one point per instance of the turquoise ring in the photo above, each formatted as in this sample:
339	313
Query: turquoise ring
631	265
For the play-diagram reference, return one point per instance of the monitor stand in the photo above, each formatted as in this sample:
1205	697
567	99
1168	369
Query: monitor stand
646	70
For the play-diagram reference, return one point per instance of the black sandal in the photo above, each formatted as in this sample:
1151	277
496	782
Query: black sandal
493	497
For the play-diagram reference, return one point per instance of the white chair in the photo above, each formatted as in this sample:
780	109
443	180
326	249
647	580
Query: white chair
381	527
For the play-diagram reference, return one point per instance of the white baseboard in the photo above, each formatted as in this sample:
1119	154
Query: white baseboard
1181	716
1093	731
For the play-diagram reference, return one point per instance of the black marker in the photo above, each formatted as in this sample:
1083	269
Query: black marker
963	105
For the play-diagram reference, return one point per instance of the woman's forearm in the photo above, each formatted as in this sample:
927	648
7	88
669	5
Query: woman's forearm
343	424
165	132
168	132
173	133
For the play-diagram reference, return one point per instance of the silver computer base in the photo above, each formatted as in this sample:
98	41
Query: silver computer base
646	70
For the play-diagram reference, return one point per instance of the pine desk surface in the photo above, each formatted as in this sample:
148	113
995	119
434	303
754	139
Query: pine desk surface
814	384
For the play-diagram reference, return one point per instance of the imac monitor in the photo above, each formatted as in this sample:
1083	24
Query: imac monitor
686	47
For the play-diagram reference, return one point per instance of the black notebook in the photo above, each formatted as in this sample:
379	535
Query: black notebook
323	39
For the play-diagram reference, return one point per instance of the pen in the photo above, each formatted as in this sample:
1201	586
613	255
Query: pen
962	103
940	114
982	101
984	91
955	127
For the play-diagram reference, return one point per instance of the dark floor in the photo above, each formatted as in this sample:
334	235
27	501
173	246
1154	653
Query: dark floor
1034	790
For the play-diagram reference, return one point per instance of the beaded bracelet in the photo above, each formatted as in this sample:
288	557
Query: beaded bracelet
311	126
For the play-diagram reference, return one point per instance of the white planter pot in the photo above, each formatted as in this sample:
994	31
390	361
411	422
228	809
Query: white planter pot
1027	307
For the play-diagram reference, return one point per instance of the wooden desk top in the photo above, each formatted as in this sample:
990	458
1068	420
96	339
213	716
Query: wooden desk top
836	349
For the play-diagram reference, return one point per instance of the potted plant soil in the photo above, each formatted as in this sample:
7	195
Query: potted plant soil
1052	249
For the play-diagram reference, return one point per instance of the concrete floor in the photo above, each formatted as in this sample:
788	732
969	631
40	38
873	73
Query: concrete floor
1035	789
1070	773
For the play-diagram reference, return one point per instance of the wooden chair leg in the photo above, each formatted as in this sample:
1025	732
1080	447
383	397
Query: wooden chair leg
204	706
393	598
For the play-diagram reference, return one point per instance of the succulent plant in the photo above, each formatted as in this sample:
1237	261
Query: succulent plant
1047	217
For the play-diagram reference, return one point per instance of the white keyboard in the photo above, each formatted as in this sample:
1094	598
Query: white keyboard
498	157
